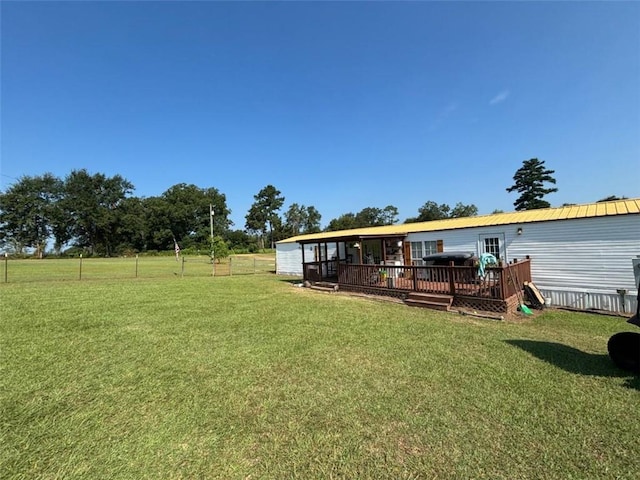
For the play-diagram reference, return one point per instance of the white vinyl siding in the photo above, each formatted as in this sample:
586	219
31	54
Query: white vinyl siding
288	259
588	253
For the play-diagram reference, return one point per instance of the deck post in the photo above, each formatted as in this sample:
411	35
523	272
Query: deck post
503	284
452	285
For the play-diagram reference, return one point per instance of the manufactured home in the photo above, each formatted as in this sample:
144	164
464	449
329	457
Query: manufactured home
578	256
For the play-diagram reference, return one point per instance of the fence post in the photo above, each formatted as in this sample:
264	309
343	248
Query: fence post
136	265
6	267
80	276
230	266
254	265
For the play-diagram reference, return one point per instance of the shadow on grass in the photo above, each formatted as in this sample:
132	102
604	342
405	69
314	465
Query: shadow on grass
291	280
576	361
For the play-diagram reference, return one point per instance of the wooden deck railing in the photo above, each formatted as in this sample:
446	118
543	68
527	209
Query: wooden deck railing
321	270
497	283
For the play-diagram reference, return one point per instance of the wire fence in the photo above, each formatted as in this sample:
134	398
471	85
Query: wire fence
80	269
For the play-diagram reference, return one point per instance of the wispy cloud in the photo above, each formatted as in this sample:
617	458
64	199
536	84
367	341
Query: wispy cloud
443	114
499	98
449	109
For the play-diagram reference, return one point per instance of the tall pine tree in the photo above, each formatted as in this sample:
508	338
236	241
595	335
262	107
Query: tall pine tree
529	182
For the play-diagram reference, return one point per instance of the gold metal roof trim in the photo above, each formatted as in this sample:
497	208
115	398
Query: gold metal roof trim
602	209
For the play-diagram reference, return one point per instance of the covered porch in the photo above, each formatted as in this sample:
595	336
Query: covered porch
322	258
382	266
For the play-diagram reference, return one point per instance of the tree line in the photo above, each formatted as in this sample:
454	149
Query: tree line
98	215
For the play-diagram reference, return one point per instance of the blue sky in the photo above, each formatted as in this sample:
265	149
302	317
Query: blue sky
338	105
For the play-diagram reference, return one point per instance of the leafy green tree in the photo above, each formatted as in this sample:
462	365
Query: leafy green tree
301	219
133	225
186	215
367	217
345	221
220	248
311	222
374	217
294	218
256	223
264	211
238	240
91	202
389	215
157	223
529	180
432	211
278	231
461	210
29	213
183	212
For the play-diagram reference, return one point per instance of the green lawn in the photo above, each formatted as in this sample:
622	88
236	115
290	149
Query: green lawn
251	377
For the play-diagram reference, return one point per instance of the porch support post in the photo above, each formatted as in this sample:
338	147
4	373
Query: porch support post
326	260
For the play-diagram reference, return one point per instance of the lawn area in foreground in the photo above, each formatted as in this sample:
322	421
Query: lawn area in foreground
251	377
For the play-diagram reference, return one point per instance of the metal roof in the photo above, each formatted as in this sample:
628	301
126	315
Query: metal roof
602	209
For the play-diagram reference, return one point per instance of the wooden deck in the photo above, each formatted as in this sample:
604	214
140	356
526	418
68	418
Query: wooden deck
495	291
480	288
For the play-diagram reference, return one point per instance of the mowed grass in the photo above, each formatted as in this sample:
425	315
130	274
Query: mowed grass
252	377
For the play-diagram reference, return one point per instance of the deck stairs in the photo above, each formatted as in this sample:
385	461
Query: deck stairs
434	301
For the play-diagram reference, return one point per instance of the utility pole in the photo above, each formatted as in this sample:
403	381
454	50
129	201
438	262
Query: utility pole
213	260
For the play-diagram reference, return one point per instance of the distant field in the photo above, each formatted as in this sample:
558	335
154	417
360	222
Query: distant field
248	376
132	267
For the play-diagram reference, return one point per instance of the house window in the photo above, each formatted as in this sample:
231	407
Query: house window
431	247
416	253
492	245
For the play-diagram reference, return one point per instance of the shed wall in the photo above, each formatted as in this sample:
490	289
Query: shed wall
288	259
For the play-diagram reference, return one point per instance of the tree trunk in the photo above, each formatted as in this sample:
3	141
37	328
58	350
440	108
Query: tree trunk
271	233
